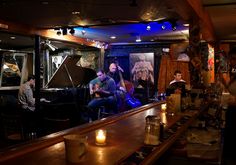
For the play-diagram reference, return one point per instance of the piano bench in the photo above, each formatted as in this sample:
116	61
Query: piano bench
53	125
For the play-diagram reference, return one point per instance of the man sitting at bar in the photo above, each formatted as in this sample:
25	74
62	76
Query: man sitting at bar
102	89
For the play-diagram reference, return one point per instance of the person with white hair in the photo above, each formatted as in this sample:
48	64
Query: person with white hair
142	70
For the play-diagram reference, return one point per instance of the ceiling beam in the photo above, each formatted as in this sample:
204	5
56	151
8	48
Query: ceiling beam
207	30
191	10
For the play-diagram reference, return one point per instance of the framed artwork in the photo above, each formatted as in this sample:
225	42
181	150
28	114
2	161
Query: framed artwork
142	69
55	63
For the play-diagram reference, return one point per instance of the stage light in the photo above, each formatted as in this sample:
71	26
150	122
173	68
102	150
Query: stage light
163	27
59	32
113	37
148	27
138	39
173	26
72	31
64	31
83	32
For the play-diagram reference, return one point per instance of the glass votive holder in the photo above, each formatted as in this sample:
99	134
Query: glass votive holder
100	137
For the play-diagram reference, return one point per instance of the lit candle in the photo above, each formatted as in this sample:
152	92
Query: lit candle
100	137
163	118
163	107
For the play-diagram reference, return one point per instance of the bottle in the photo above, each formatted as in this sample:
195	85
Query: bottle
152	130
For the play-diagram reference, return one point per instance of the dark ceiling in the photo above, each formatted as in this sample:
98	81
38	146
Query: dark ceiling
223	17
124	19
101	19
59	13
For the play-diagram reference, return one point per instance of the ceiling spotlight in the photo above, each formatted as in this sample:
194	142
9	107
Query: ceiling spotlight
64	31
163	27
148	27
83	32
173	26
138	39
72	31
113	37
59	32
47	44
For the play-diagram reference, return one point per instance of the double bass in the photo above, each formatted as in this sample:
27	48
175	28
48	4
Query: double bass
128	98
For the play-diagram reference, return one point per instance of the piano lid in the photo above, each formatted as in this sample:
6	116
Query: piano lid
69	74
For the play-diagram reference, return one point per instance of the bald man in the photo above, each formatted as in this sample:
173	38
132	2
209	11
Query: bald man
114	72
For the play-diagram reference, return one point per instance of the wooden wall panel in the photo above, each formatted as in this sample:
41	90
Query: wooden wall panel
166	73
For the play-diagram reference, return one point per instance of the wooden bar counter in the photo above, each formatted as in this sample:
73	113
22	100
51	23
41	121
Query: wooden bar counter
125	134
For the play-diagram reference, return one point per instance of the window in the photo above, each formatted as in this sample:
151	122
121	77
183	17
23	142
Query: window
11	69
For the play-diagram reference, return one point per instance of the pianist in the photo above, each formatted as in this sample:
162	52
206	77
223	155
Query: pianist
102	90
25	95
26	101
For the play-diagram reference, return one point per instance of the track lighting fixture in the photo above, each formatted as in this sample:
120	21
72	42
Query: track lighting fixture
138	39
59	32
72	31
64	31
83	32
148	28
174	25
163	27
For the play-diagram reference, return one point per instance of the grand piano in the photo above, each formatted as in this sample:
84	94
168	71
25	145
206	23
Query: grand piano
67	91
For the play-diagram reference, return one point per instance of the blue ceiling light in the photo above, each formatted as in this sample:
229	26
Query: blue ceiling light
148	27
83	31
138	39
163	26
113	37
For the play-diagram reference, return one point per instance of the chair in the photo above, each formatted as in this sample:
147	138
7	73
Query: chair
12	125
54	125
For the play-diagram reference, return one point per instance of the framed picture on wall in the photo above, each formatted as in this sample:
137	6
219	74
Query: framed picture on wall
55	63
142	69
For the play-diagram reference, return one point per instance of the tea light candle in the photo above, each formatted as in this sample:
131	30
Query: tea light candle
163	107
100	137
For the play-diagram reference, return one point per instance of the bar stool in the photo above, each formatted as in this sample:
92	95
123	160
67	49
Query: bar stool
103	112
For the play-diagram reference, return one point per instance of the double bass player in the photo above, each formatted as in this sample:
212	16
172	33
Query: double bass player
125	89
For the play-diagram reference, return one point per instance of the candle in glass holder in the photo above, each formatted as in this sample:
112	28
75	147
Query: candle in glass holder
163	107
163	118
100	137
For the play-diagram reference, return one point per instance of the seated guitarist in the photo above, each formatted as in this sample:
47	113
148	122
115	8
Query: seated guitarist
103	90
